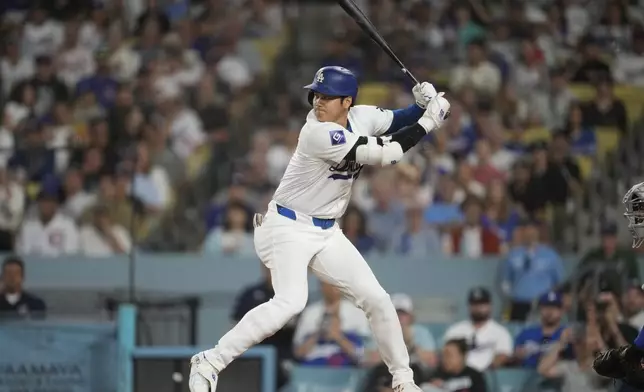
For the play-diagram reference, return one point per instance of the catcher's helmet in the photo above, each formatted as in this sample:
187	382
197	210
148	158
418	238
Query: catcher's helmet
634	204
335	82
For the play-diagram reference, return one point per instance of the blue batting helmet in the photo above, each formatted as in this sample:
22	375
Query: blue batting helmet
335	82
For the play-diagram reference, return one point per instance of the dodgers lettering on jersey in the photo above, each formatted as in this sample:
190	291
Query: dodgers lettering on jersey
318	180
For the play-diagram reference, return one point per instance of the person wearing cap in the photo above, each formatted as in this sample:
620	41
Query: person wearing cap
534	340
616	261
103	237
490	343
420	342
529	271
633	304
50	233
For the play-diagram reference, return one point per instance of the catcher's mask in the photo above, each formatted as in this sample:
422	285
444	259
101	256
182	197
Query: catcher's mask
634	204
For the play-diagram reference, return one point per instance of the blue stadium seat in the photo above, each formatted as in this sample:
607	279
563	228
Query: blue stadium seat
324	379
510	380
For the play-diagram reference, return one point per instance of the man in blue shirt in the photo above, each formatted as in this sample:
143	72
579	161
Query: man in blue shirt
534	340
529	271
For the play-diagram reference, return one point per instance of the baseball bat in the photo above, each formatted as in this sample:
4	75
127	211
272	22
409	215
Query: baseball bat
365	24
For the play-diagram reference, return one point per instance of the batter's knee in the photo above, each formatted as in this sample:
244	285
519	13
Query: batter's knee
373	298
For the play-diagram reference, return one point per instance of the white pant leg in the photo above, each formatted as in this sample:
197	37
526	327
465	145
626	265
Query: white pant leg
286	248
340	264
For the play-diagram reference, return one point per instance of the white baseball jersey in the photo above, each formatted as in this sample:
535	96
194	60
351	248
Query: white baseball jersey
318	181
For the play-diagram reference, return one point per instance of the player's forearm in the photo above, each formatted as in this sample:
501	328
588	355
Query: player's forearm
404	117
385	150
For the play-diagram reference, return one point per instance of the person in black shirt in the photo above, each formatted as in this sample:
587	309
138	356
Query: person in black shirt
453	374
14	302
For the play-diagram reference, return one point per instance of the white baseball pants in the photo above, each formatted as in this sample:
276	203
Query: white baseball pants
288	247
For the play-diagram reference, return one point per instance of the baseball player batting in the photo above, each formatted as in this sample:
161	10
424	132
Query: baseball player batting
626	363
300	228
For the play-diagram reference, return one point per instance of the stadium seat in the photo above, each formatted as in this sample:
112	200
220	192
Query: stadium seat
583	92
509	380
585	164
373	94
535	134
324	379
607	141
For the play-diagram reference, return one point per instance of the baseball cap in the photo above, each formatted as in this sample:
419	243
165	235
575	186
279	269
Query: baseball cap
551	298
609	228
402	302
479	295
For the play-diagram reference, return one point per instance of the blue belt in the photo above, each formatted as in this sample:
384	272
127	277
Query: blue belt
319	222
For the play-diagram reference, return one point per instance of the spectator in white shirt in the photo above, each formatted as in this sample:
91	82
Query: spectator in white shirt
151	183
182	123
102	237
74	62
41	35
629	66
12	206
478	72
490	343
14	68
331	332
77	200
50	233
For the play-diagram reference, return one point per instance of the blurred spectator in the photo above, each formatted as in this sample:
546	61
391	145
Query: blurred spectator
633	304
605	314
472	239
616	262
499	214
235	236
555	103
417	238
606	110
454	375
490	343
12	207
527	193
42	35
254	295
150	184
539	184
15	302
236	193
14	67
629	64
582	137
50	233
331	332
420	342
483	169
533	341
530	270
77	200
465	181
100	84
48	88
74	61
592	67
575	374
388	213
102	237
478	72
181	122
445	211
354	227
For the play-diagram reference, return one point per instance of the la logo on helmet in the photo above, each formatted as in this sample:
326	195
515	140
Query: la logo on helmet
320	77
